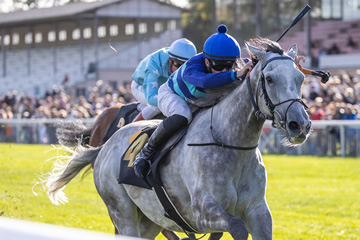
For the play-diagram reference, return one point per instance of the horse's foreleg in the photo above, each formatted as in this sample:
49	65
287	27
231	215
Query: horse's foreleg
259	220
237	229
215	218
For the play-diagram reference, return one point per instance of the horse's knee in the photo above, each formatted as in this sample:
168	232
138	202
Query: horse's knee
238	229
259	221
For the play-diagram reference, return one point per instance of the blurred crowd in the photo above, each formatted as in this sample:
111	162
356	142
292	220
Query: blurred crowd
63	102
337	99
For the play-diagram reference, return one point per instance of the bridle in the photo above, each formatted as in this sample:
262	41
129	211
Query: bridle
277	121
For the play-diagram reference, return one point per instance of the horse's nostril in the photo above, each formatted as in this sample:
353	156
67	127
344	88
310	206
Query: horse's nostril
294	126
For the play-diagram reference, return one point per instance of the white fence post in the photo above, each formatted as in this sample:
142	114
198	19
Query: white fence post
342	140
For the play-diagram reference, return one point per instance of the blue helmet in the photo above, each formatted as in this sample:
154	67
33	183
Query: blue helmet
182	49
221	46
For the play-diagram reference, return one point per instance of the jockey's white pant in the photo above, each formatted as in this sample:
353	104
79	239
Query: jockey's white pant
149	111
170	103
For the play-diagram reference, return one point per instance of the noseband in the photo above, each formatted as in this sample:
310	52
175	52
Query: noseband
277	121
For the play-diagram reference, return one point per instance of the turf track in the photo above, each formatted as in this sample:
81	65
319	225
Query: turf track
310	197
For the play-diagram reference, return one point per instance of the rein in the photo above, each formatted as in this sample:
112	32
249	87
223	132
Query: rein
216	142
277	122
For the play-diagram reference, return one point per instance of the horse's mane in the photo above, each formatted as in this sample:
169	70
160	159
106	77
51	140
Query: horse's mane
264	44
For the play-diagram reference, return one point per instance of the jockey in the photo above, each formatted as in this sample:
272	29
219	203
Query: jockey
212	68
154	70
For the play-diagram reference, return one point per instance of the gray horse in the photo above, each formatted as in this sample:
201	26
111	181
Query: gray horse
216	188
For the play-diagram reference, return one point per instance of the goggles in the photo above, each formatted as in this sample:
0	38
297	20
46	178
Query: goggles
176	63
221	65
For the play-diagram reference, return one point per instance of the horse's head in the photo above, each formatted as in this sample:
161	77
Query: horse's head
278	89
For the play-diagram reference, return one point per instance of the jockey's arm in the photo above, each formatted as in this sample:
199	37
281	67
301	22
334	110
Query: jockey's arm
208	80
195	74
151	84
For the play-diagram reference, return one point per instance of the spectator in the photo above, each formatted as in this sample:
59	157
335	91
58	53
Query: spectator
316	110
349	95
334	49
313	93
351	42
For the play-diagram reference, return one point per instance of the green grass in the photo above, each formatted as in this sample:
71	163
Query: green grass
20	168
310	197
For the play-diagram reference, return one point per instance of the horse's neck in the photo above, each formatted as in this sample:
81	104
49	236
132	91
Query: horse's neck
234	119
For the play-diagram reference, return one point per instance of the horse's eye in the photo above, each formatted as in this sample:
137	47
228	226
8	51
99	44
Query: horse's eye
269	79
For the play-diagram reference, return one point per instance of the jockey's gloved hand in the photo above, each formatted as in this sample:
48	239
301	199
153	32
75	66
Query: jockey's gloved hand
243	72
243	76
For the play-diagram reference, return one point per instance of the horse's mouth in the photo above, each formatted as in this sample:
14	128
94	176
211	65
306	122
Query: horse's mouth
299	139
293	140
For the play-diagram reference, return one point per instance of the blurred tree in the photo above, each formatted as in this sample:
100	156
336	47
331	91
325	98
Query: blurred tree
240	17
277	15
197	22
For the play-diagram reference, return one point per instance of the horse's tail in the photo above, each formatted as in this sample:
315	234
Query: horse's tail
64	171
69	133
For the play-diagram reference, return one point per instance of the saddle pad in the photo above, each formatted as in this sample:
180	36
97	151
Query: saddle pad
127	173
137	141
153	180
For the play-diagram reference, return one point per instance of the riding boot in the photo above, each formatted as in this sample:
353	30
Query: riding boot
162	133
138	117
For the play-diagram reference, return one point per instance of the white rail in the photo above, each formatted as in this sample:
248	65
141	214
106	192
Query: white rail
335	137
12	229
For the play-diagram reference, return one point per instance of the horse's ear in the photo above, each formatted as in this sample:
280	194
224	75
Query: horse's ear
260	54
293	51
